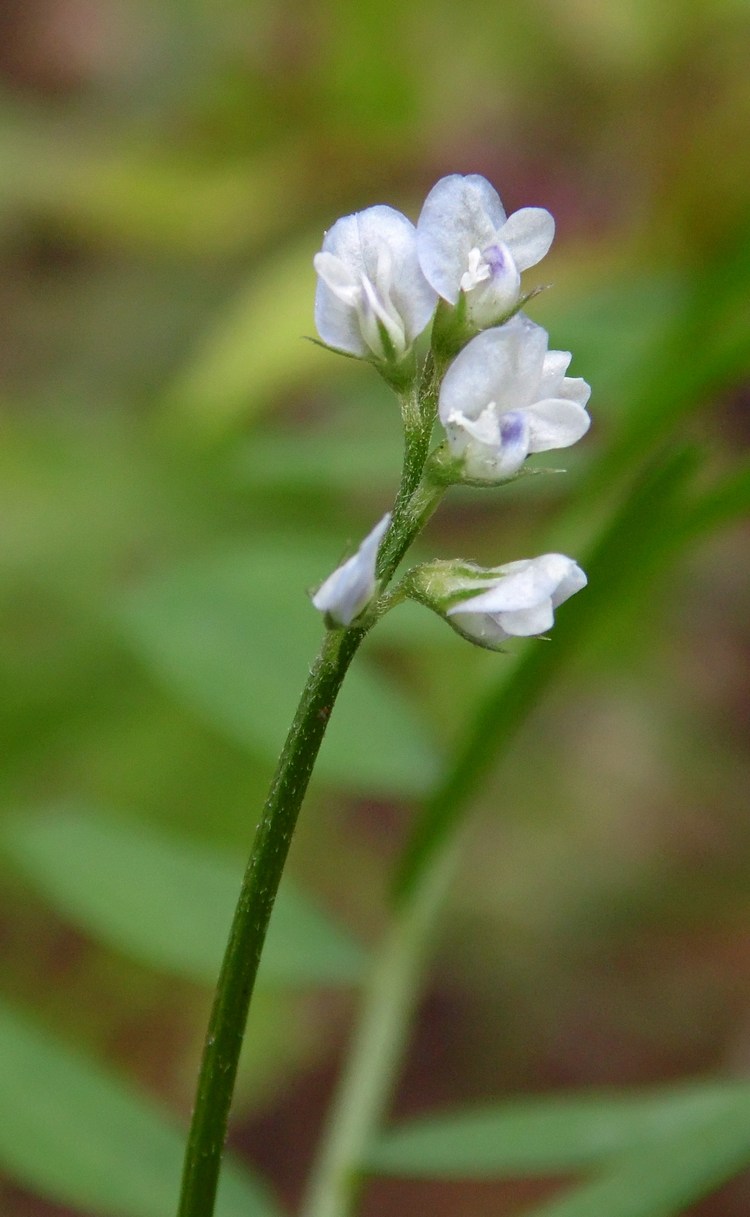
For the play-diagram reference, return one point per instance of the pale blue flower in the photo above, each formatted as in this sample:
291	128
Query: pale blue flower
466	243
372	298
351	587
520	600
506	396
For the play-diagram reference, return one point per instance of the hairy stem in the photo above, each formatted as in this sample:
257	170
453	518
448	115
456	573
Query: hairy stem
259	887
418	408
269	852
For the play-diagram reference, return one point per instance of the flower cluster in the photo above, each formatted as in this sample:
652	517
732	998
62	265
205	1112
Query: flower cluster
502	395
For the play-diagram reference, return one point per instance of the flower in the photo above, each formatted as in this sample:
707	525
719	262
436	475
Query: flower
467	244
372	299
352	585
505	396
488	605
520	602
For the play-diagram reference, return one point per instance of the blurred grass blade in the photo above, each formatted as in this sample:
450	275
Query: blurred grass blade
257	350
720	506
665	1178
168	902
104	185
550	1136
638	538
233	635
74	1133
706	349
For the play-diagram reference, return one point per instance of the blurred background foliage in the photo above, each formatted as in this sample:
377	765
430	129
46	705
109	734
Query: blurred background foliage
178	465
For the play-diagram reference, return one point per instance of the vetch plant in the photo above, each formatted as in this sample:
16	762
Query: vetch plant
499	395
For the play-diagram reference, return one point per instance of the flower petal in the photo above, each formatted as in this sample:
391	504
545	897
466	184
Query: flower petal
574	388
533	620
459	214
528	233
520	585
336	320
501	365
573	582
490	298
518	598
510	594
555	383
387	236
480	628
515	435
492	448
555	366
350	588
556	423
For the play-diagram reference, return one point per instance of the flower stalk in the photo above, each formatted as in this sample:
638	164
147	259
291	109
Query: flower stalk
258	893
500	396
267	859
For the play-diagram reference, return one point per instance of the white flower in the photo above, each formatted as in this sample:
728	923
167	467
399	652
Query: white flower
372	298
467	244
505	396
352	585
519	599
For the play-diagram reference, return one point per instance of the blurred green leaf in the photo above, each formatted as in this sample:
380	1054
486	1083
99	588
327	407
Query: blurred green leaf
233	635
123	190
703	348
613	321
75	1133
721	505
323	462
258	349
664	1178
549	1136
166	901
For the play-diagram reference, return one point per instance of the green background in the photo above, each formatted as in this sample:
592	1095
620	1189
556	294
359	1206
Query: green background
178	466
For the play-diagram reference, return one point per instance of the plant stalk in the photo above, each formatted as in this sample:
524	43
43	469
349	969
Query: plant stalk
269	852
260	884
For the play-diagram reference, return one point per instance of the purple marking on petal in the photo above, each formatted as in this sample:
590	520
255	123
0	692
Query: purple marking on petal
496	259
512	428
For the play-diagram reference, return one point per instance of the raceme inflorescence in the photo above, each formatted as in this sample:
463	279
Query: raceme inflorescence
489	379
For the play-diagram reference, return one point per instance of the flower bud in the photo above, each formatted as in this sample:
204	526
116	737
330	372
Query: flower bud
348	591
488	605
372	299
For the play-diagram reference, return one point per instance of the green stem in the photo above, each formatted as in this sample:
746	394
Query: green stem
259	887
418	408
374	1058
265	867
